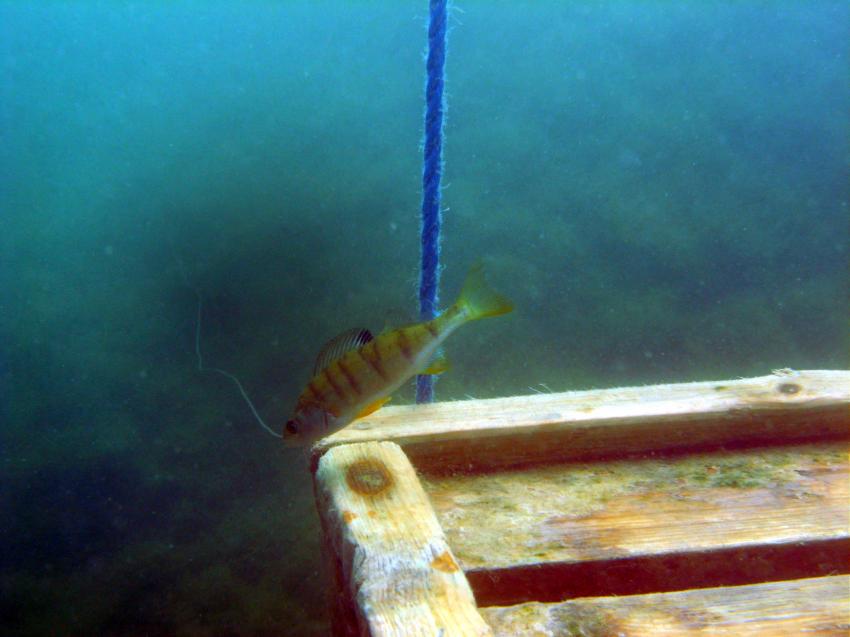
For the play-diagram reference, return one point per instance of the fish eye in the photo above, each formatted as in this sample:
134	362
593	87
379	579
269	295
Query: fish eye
291	428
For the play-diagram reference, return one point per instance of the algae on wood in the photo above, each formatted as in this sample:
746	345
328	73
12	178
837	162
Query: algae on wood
605	510
642	525
817	606
642	493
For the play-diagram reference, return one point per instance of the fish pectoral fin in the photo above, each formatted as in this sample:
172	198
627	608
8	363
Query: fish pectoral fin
372	407
437	366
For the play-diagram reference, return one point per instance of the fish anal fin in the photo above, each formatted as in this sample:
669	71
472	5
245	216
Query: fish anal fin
372	407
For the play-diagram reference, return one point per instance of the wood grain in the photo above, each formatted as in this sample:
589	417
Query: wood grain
391	558
818	606
485	435
718	508
560	531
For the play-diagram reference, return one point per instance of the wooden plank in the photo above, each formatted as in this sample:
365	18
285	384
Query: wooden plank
819	606
652	524
389	550
487	434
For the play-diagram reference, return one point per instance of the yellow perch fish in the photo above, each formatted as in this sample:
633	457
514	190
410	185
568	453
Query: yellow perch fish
355	373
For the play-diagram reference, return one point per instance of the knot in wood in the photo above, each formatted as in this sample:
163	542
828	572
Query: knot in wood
368	477
788	388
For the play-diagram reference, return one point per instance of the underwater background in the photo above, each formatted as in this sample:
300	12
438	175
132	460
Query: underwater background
661	188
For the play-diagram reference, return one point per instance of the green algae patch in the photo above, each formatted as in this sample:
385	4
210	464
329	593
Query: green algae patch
574	512
574	620
763	468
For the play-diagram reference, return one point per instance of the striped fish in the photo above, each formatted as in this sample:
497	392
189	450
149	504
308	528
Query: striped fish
356	373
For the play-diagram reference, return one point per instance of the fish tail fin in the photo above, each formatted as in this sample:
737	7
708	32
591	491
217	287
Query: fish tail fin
478	300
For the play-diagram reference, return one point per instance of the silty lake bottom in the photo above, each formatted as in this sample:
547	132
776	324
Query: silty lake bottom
661	190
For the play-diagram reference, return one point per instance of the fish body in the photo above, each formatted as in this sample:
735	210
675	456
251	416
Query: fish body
361	379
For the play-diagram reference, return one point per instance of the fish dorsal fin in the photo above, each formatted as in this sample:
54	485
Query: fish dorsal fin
339	345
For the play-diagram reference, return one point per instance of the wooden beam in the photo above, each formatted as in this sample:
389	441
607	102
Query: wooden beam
732	483
633	526
819	606
391	558
477	435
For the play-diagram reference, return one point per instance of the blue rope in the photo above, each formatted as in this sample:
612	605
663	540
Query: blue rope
435	106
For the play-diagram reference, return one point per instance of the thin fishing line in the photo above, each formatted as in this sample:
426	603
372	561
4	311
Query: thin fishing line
201	367
227	374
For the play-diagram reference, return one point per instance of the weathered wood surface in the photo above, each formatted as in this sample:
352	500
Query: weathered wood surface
641	493
819	606
391	557
487	434
639	525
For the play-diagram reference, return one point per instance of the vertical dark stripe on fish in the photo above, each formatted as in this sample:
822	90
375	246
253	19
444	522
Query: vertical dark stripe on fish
403	343
334	385
371	355
349	377
313	389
